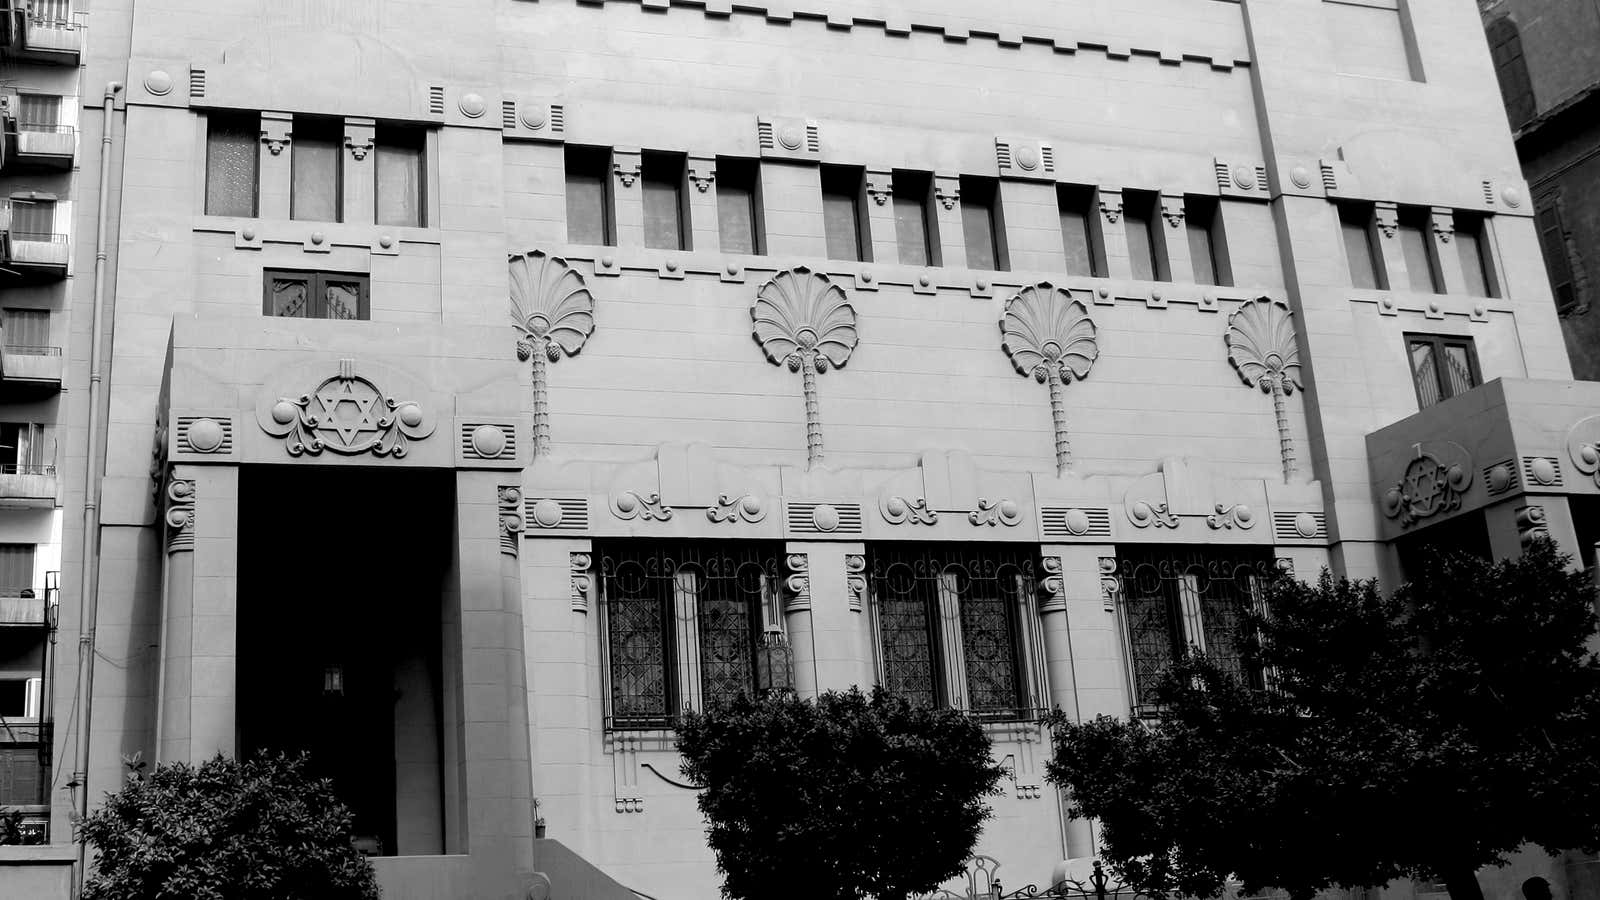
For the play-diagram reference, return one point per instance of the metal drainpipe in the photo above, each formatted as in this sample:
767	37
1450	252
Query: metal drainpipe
88	589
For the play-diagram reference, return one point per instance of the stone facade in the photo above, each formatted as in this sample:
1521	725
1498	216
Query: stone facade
568	450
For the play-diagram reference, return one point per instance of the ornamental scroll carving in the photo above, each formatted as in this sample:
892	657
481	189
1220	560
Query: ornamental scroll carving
1427	488
1263	350
553	313
180	515
1051	339
511	512
1583	446
804	321
349	415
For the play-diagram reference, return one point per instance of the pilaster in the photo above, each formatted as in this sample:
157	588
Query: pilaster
947	213
1386	217
360	171
836	631
791	197
704	236
627	196
1032	223
1174	237
1442	231
274	175
1108	202
879	213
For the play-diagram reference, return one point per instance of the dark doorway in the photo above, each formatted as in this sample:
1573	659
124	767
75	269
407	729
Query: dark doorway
341	580
1466	533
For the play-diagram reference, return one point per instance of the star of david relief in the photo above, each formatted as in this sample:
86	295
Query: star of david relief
347	414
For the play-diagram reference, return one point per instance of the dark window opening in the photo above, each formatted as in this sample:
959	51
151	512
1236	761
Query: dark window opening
739	224
26	448
1473	245
402	176
589	216
666	212
1360	247
916	230
1080	231
1511	70
1553	244
315	295
1441	366
1140	212
1208	248
317	178
843	214
1416	244
233	158
982	225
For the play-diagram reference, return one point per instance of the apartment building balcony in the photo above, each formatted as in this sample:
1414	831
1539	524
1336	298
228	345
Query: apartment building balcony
40	146
42	31
28	372
31	247
26	611
27	486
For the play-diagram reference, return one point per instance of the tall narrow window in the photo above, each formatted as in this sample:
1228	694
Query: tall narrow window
666	216
844	221
915	233
982	225
1360	249
738	187
1085	255
27	330
315	295
1175	599
1553	244
1422	266
1473	246
953	628
589	219
26	449
233	142
1207	248
1139	221
1511	69
317	190
1441	366
401	172
683	626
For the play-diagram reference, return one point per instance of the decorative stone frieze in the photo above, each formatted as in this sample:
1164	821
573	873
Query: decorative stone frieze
1238	515
743	508
349	415
553	313
855	579
804	321
1583	446
996	512
510	497
1427	488
1263	350
634	505
1050	338
180	515
898	510
1531	524
1145	514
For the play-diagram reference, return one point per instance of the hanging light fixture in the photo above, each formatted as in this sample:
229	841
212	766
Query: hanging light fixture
333	680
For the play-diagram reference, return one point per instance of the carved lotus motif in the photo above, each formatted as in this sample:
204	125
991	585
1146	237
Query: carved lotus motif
804	321
1051	339
553	312
1263	350
1046	330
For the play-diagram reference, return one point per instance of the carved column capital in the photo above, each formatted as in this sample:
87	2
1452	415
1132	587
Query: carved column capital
510	519
798	595
855	578
1387	217
277	130
180	515
582	582
1054	585
1110	583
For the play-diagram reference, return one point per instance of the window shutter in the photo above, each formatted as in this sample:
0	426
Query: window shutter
16	569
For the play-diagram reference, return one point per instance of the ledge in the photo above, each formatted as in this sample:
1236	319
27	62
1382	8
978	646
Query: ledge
39	855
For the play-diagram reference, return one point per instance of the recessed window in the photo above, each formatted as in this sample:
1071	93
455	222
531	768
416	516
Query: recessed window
1473	245
688	625
1553	244
843	217
953	627
1080	231
1441	366
915	228
34	220
315	295
1207	248
233	158
589	216
1175	598
1360	246
16	560
38	112
316	182
981	223
26	448
1511	70
1422	264
666	214
1139	215
27	331
738	187
401	174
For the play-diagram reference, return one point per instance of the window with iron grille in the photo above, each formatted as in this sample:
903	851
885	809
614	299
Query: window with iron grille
1441	366
957	627
315	295
1177	598
688	625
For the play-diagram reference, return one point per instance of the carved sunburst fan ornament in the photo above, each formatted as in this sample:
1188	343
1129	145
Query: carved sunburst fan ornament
1051	339
1263	350
553	312
804	321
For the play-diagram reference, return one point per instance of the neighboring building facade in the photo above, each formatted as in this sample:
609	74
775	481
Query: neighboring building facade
1547	57
39	104
485	383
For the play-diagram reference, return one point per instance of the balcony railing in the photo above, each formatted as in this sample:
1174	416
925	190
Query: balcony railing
39	250
27	469
27	485
50	34
31	366
45	144
22	611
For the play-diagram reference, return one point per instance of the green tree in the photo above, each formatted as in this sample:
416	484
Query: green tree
1424	734
844	797
263	829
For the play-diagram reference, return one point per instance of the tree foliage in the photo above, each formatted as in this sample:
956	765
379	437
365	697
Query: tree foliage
229	830
1427	734
844	797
